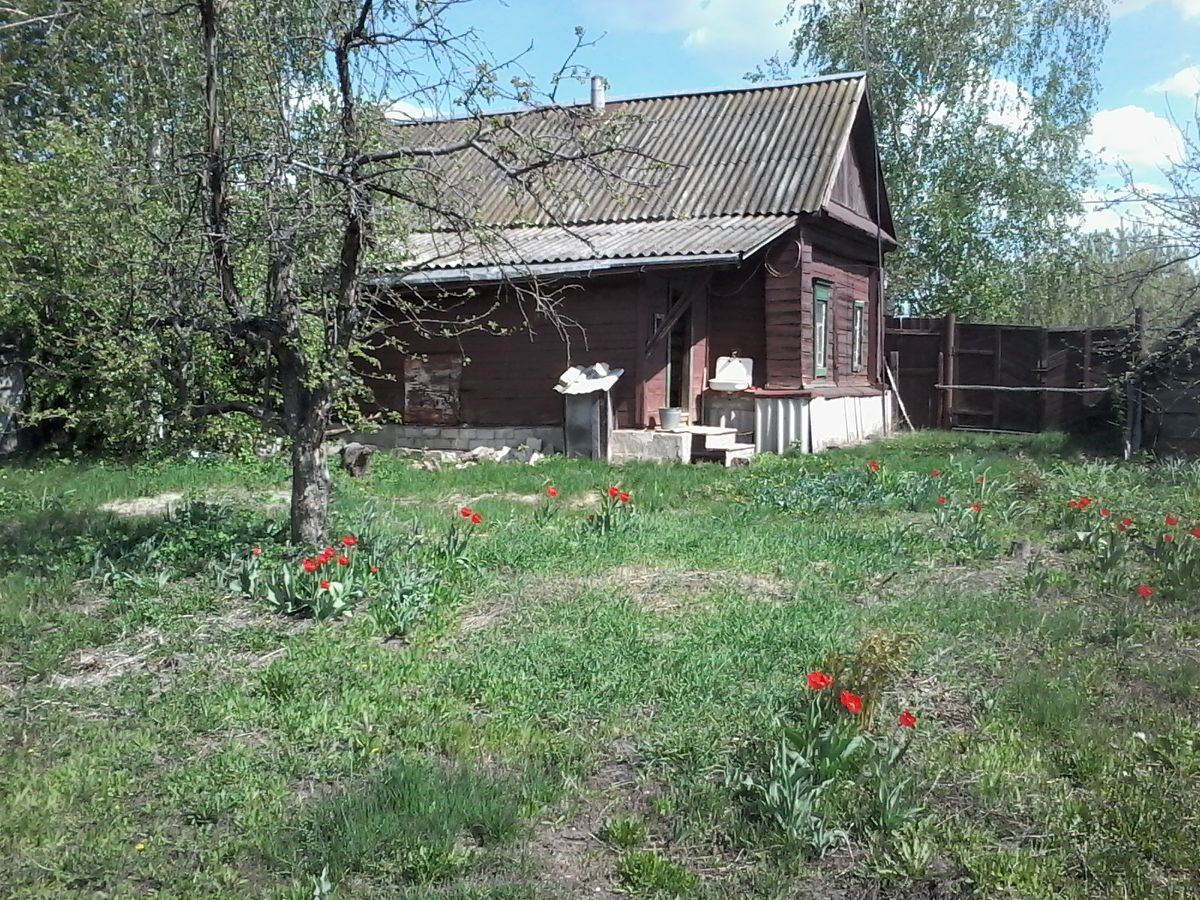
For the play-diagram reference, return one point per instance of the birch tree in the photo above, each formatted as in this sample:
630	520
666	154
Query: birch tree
981	110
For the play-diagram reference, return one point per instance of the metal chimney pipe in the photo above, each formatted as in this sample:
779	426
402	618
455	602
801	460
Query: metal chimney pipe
597	93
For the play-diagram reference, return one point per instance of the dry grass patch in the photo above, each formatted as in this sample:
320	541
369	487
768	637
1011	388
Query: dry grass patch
656	590
157	505
96	667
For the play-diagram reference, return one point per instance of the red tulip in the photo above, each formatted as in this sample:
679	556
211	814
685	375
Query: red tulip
936	473
907	720
349	541
1073	504
975	507
1196	532
614	492
257	551
852	702
374	570
874	466
818	681
1105	513
1172	521
476	519
465	512
551	492
941	501
343	560
980	480
1145	591
1085	502
310	566
324	585
1168	538
624	496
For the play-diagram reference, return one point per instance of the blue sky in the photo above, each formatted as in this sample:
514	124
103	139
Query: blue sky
1151	68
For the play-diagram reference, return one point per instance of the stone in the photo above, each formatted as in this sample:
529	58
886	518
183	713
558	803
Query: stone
504	454
356	458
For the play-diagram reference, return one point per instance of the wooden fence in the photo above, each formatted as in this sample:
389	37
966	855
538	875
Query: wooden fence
987	377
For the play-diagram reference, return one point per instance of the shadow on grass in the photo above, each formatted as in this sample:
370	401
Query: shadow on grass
418	822
59	541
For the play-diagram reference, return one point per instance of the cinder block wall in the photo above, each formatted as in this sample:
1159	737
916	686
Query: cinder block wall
463	437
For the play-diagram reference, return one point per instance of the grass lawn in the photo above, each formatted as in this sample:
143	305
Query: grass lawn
567	711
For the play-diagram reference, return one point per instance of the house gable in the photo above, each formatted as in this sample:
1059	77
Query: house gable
857	193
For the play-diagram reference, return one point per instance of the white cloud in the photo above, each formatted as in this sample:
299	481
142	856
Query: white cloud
1135	137
1189	9
1108	209
716	26
1009	104
404	111
1185	83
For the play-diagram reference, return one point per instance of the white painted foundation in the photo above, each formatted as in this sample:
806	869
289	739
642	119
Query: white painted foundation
809	425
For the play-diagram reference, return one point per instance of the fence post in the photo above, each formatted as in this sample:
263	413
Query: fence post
950	369
1133	386
1042	369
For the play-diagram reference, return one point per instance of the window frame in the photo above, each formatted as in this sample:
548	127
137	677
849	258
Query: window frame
822	293
857	336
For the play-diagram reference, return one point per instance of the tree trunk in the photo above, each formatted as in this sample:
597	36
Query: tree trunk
310	483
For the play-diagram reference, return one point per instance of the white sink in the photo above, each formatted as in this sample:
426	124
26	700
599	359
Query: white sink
732	373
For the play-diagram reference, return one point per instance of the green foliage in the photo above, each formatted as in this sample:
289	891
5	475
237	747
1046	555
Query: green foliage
872	668
399	575
981	111
615	514
623	833
1051	759
827	772
645	873
408	821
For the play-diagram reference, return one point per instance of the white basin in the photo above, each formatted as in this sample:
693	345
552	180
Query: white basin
733	373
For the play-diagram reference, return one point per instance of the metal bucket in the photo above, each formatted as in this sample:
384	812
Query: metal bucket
670	418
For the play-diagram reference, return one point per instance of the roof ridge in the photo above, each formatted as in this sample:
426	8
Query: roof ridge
742	89
751	87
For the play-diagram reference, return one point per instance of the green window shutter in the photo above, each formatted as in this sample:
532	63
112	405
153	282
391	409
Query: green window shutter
820	327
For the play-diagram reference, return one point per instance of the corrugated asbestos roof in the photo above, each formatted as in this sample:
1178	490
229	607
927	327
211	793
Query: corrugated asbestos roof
608	240
697	174
757	151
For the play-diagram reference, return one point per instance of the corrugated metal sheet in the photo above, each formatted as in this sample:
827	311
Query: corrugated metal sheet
619	240
759	151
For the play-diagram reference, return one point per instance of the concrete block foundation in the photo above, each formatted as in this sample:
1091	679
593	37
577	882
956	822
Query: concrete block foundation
462	437
627	445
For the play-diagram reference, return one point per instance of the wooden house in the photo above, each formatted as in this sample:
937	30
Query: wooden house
763	239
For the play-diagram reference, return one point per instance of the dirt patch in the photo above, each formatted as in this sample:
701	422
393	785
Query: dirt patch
278	498
98	666
158	505
88	604
654	590
485	617
253	660
570	858
947	705
306	790
166	503
666	591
